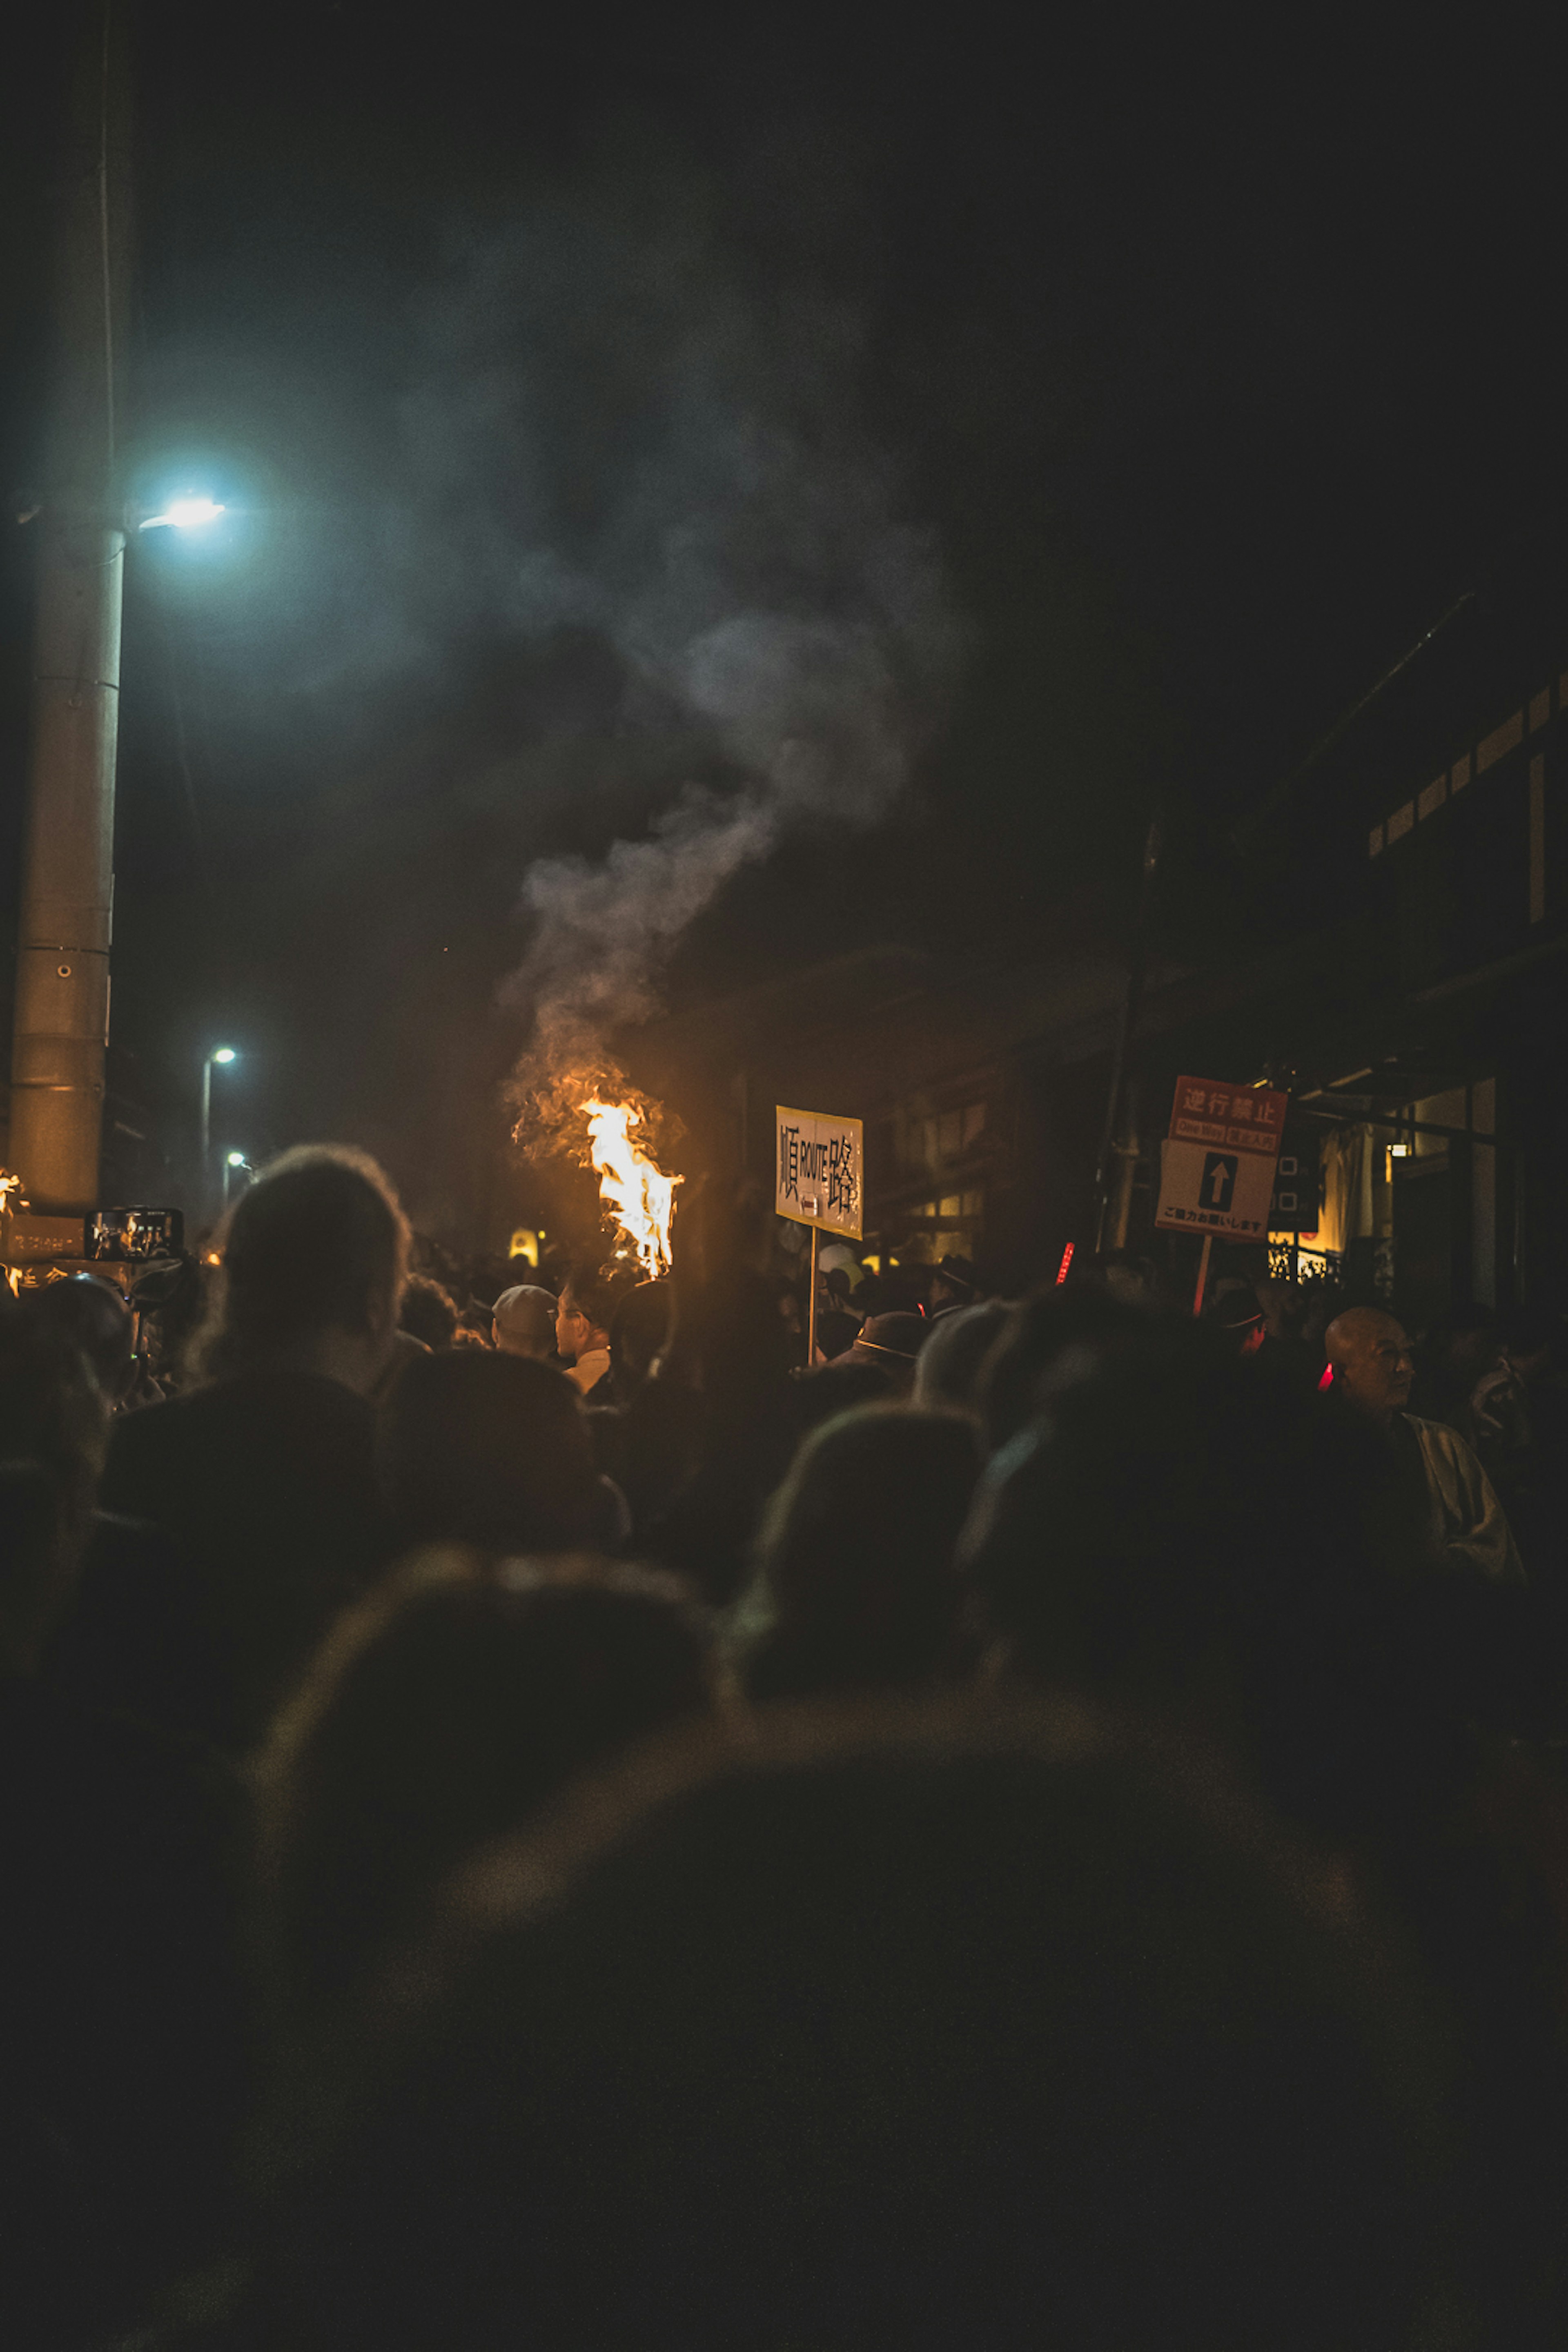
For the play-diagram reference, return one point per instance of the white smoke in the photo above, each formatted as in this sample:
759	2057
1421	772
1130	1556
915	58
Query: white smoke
605	931
678	465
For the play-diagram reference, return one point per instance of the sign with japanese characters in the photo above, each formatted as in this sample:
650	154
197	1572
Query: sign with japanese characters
1216	1167
819	1171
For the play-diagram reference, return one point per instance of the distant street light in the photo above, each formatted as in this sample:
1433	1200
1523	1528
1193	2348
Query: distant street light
232	1160
184	514
219	1053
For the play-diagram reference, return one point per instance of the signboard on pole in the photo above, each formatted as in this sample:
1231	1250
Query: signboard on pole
1297	1184
1216	1167
819	1164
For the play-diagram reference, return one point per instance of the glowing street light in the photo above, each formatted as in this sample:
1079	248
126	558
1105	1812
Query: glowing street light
184	514
232	1162
222	1053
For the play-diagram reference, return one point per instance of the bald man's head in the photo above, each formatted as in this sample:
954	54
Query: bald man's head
1372	1360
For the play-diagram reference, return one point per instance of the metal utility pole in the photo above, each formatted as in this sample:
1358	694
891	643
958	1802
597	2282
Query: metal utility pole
1112	1202
67	877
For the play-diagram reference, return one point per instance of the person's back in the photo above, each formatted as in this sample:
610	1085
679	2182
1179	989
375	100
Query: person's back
267	1484
121	2025
1180	1532
440	1714
630	1426
137	1639
122	1856
491	1449
266	1475
855	1585
950	2033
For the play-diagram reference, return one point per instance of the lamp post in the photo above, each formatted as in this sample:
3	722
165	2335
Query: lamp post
60	1030
220	1054
61	1022
1113	1198
232	1160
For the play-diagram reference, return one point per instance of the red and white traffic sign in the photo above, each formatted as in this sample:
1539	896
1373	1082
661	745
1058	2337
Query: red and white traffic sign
1216	1167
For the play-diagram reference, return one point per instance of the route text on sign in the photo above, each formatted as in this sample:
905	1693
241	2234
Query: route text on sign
819	1171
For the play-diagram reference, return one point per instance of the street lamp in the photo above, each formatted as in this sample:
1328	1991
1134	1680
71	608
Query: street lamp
232	1160
60	1022
224	1054
183	514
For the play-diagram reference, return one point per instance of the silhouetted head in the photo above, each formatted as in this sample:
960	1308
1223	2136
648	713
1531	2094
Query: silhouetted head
954	1283
829	1390
93	1314
855	1585
887	2028
949	1367
485	1448
1074	1324
1183	1531
1238	1318
1528	1335
837	1332
584	1314
1468	1339
891	1343
523	1322
428	1311
1133	1280
441	1714
314	1251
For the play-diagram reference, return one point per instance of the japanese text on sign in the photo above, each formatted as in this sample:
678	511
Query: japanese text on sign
1230	1119
819	1165
1216	1167
1205	1190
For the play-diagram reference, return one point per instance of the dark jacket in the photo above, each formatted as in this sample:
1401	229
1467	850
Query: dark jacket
267	1485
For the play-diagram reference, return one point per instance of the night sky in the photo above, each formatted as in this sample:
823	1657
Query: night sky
1122	406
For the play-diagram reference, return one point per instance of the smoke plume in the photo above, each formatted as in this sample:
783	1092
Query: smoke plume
686	479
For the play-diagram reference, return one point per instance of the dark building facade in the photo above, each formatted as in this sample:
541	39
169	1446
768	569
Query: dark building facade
1399	965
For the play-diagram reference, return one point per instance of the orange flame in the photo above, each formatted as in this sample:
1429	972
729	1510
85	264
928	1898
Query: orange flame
637	1192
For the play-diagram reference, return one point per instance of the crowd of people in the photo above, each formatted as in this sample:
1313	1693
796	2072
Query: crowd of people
550	1820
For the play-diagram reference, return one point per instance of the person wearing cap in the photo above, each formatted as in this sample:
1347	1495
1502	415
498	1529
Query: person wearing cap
891	1342
1237	1316
522	1322
953	1284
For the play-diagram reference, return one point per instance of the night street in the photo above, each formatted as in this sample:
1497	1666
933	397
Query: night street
784	1329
